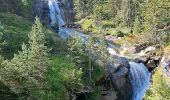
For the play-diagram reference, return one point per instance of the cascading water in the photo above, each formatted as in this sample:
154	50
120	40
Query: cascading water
55	13
139	74
57	17
140	78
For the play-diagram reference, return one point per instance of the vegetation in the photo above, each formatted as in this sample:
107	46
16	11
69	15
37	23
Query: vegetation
25	73
35	64
146	19
160	88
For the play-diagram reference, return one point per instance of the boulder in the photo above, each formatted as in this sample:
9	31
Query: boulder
142	59
140	47
121	82
119	75
150	62
151	65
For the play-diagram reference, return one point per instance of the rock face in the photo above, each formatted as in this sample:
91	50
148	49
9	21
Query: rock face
165	63
120	78
68	9
41	9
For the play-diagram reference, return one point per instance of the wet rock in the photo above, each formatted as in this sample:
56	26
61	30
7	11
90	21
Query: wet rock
120	61
75	26
120	78
122	84
151	50
68	9
150	62
127	49
151	65
142	59
111	38
140	47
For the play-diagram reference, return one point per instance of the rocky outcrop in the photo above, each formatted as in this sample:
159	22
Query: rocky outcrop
120	78
150	62
68	9
165	63
74	26
40	9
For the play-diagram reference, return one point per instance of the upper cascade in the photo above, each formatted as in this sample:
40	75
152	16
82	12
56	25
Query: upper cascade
56	13
60	12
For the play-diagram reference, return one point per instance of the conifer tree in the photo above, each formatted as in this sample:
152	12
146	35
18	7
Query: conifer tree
26	71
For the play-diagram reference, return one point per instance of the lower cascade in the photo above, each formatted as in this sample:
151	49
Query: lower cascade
140	78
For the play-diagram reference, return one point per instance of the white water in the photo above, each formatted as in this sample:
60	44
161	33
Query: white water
55	13
139	74
56	18
140	78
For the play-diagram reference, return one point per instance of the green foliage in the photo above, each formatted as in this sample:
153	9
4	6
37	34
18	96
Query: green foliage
26	2
15	33
160	88
98	12
21	7
136	27
155	13
63	77
25	73
85	59
77	50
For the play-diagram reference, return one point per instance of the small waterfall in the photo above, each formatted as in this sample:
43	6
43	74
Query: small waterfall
56	13
140	78
57	16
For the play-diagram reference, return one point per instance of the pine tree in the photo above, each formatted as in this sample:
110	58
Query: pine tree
26	71
155	13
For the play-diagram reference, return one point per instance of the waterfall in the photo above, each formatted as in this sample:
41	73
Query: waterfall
139	74
57	16
140	78
56	13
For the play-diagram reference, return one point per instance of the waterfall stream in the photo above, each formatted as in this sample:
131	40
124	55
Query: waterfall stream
140	78
139	74
57	17
55	13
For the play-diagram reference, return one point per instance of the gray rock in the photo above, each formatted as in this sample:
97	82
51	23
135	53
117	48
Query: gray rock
165	63
39	8
120	77
151	64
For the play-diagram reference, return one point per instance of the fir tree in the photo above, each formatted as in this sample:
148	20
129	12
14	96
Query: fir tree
26	71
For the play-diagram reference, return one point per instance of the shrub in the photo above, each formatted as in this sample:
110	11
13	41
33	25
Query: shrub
160	88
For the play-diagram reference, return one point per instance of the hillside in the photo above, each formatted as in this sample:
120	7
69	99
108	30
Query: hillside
84	50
